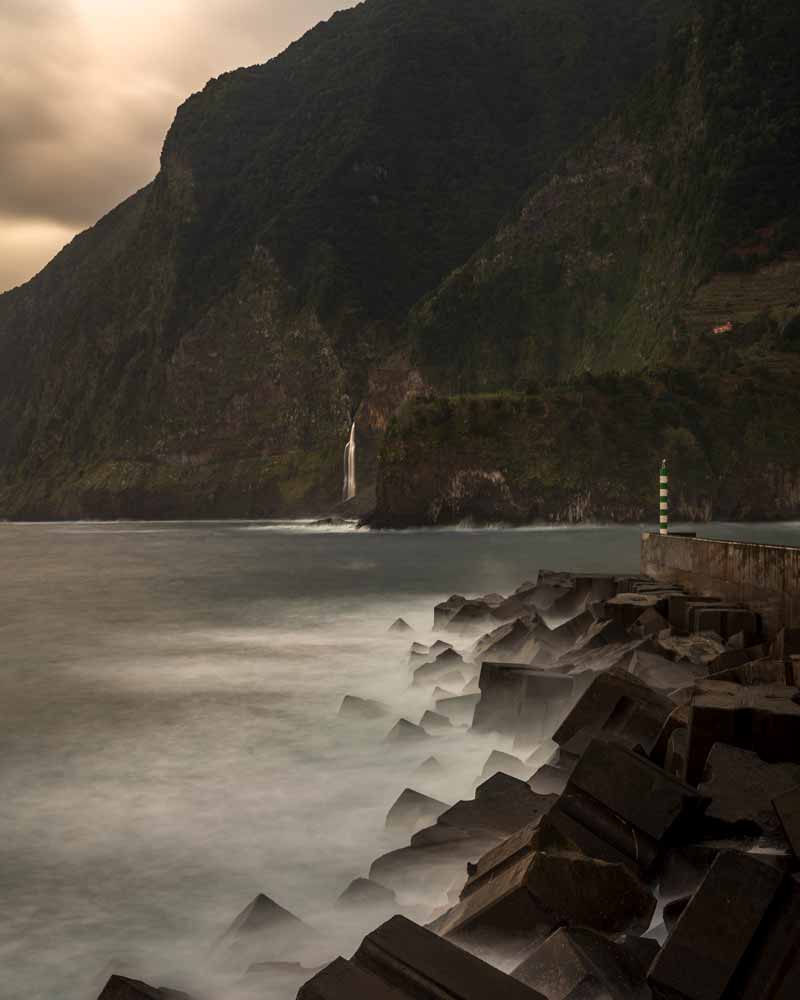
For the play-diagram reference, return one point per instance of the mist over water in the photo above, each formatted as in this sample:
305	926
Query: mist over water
169	744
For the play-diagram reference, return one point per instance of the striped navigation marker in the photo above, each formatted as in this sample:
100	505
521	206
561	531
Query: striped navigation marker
663	500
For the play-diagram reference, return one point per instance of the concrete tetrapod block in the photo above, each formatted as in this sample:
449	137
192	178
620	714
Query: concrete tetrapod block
423	966
787	808
412	808
620	705
342	980
738	937
762	719
122	988
517	699
741	788
576	962
525	902
263	931
620	807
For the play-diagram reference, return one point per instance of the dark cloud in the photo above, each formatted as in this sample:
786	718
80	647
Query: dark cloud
88	89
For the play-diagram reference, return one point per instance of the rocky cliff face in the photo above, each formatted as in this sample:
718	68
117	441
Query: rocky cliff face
591	449
203	349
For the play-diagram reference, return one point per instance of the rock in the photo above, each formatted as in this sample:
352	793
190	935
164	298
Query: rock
433	722
473	686
619	705
505	763
439	647
426	967
362	709
401	626
404	731
523	905
738	936
459	709
342	980
440	693
724	621
263	931
366	894
575	962
520	701
412	809
741	787
122	988
626	609
762	719
619	807
641	949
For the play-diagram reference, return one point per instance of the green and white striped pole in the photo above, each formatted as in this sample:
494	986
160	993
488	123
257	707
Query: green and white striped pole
663	500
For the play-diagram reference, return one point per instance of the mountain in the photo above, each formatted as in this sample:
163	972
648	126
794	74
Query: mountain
680	213
202	350
644	301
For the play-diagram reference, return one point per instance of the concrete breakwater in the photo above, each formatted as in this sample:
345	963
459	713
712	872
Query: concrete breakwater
634	835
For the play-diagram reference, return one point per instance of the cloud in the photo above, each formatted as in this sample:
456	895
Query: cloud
88	89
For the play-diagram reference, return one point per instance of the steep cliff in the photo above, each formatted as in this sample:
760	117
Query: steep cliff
202	350
590	449
678	215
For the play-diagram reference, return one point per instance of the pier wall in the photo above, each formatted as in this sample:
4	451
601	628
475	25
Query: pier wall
765	577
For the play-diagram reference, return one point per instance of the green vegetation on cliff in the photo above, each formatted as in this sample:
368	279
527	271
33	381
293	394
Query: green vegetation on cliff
698	171
590	448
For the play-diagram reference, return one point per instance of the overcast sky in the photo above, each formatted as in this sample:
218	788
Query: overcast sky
88	89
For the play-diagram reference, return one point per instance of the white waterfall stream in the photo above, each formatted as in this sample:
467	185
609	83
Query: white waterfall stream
349	487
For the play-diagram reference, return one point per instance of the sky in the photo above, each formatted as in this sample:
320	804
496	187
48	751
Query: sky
88	89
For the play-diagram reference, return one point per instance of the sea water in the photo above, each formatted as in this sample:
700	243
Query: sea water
169	743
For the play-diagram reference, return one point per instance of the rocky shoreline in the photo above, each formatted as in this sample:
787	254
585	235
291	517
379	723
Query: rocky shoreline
641	839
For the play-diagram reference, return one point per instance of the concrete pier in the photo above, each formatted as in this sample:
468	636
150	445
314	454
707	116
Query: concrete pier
765	577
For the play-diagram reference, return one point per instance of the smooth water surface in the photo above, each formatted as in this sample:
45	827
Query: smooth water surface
169	744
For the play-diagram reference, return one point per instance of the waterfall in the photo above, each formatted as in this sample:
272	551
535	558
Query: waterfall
349	487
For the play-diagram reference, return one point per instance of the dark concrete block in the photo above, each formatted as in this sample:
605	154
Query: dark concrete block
423	966
459	709
361	708
493	863
576	962
513	641
432	722
505	763
517	700
122	988
411	809
502	805
741	787
787	808
527	900
619	807
343	980
400	626
626	609
444	611
432	673
737	937
622	707
764	720
363	893
404	731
